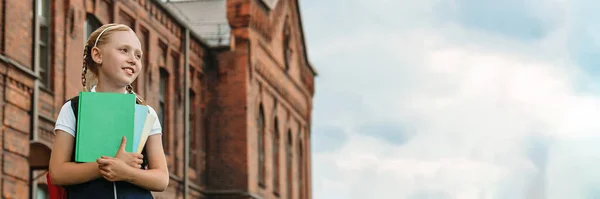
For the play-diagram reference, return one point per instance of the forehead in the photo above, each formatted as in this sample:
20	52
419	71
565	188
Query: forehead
125	38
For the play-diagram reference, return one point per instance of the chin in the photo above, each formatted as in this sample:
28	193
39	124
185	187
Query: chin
127	80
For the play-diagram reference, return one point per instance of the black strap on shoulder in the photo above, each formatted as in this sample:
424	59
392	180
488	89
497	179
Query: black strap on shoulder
75	107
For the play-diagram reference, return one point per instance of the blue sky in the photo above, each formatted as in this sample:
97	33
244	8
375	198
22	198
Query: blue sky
453	99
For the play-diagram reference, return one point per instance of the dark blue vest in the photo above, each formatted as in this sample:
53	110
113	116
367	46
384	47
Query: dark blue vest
101	188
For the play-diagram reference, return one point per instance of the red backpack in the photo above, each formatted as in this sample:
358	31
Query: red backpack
55	192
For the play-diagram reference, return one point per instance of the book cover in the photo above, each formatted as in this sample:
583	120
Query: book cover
149	123
141	113
103	119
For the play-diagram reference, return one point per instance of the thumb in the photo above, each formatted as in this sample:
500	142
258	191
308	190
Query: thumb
123	144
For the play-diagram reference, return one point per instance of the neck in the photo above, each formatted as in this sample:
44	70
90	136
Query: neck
109	88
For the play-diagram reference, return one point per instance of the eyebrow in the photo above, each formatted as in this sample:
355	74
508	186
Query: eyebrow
131	47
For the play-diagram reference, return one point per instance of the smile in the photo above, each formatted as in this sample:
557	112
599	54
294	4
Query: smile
128	70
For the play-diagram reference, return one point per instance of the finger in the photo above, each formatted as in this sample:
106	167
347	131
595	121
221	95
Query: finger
106	161
104	173
102	161
139	155
123	143
139	161
105	169
108	176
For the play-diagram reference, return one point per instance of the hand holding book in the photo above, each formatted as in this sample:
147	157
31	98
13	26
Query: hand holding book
132	159
114	169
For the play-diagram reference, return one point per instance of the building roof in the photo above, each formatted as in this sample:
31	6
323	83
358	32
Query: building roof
312	68
208	18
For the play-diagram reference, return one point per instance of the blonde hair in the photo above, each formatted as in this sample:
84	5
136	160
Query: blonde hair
99	37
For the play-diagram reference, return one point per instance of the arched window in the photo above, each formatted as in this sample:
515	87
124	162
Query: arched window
163	92
287	50
260	124
276	156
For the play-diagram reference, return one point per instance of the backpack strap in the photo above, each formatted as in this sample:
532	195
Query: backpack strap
75	107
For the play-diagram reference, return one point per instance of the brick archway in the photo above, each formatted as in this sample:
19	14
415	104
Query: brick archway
39	159
39	155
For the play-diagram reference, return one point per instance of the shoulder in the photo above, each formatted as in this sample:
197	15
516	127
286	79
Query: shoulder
151	110
66	119
65	107
157	127
67	104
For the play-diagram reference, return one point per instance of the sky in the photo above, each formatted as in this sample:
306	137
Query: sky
444	99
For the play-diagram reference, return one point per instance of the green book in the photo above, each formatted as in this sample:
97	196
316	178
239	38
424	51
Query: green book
103	119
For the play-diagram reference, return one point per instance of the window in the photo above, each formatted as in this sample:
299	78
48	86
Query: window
144	36
44	19
260	124
145	40
276	156
91	24
41	192
177	77
164	80
288	149
287	51
124	18
193	132
197	138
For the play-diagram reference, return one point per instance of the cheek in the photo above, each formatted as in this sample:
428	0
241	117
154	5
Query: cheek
139	65
116	57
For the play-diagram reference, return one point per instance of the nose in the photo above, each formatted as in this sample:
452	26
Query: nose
132	59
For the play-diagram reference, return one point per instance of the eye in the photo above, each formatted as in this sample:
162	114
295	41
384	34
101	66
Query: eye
138	56
123	50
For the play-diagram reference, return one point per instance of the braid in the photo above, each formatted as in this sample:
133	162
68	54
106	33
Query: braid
138	99
84	67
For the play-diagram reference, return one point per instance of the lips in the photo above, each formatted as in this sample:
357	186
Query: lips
128	70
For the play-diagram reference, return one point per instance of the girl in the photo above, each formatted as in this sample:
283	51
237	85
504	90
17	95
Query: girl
113	55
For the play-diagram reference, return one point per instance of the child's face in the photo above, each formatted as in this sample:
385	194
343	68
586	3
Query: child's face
121	58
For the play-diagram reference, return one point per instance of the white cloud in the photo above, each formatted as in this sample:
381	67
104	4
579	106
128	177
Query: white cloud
474	101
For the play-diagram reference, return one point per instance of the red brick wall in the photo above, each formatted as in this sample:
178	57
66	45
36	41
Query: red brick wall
227	158
15	135
290	91
229	85
2	28
18	31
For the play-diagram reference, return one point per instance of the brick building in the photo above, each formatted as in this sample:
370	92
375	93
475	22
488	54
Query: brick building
237	127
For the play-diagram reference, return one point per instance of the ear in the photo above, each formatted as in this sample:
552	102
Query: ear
96	55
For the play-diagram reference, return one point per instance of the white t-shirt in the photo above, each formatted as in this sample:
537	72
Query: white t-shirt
66	119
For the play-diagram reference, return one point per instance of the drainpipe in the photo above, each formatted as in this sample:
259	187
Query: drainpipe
34	106
36	70
186	113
